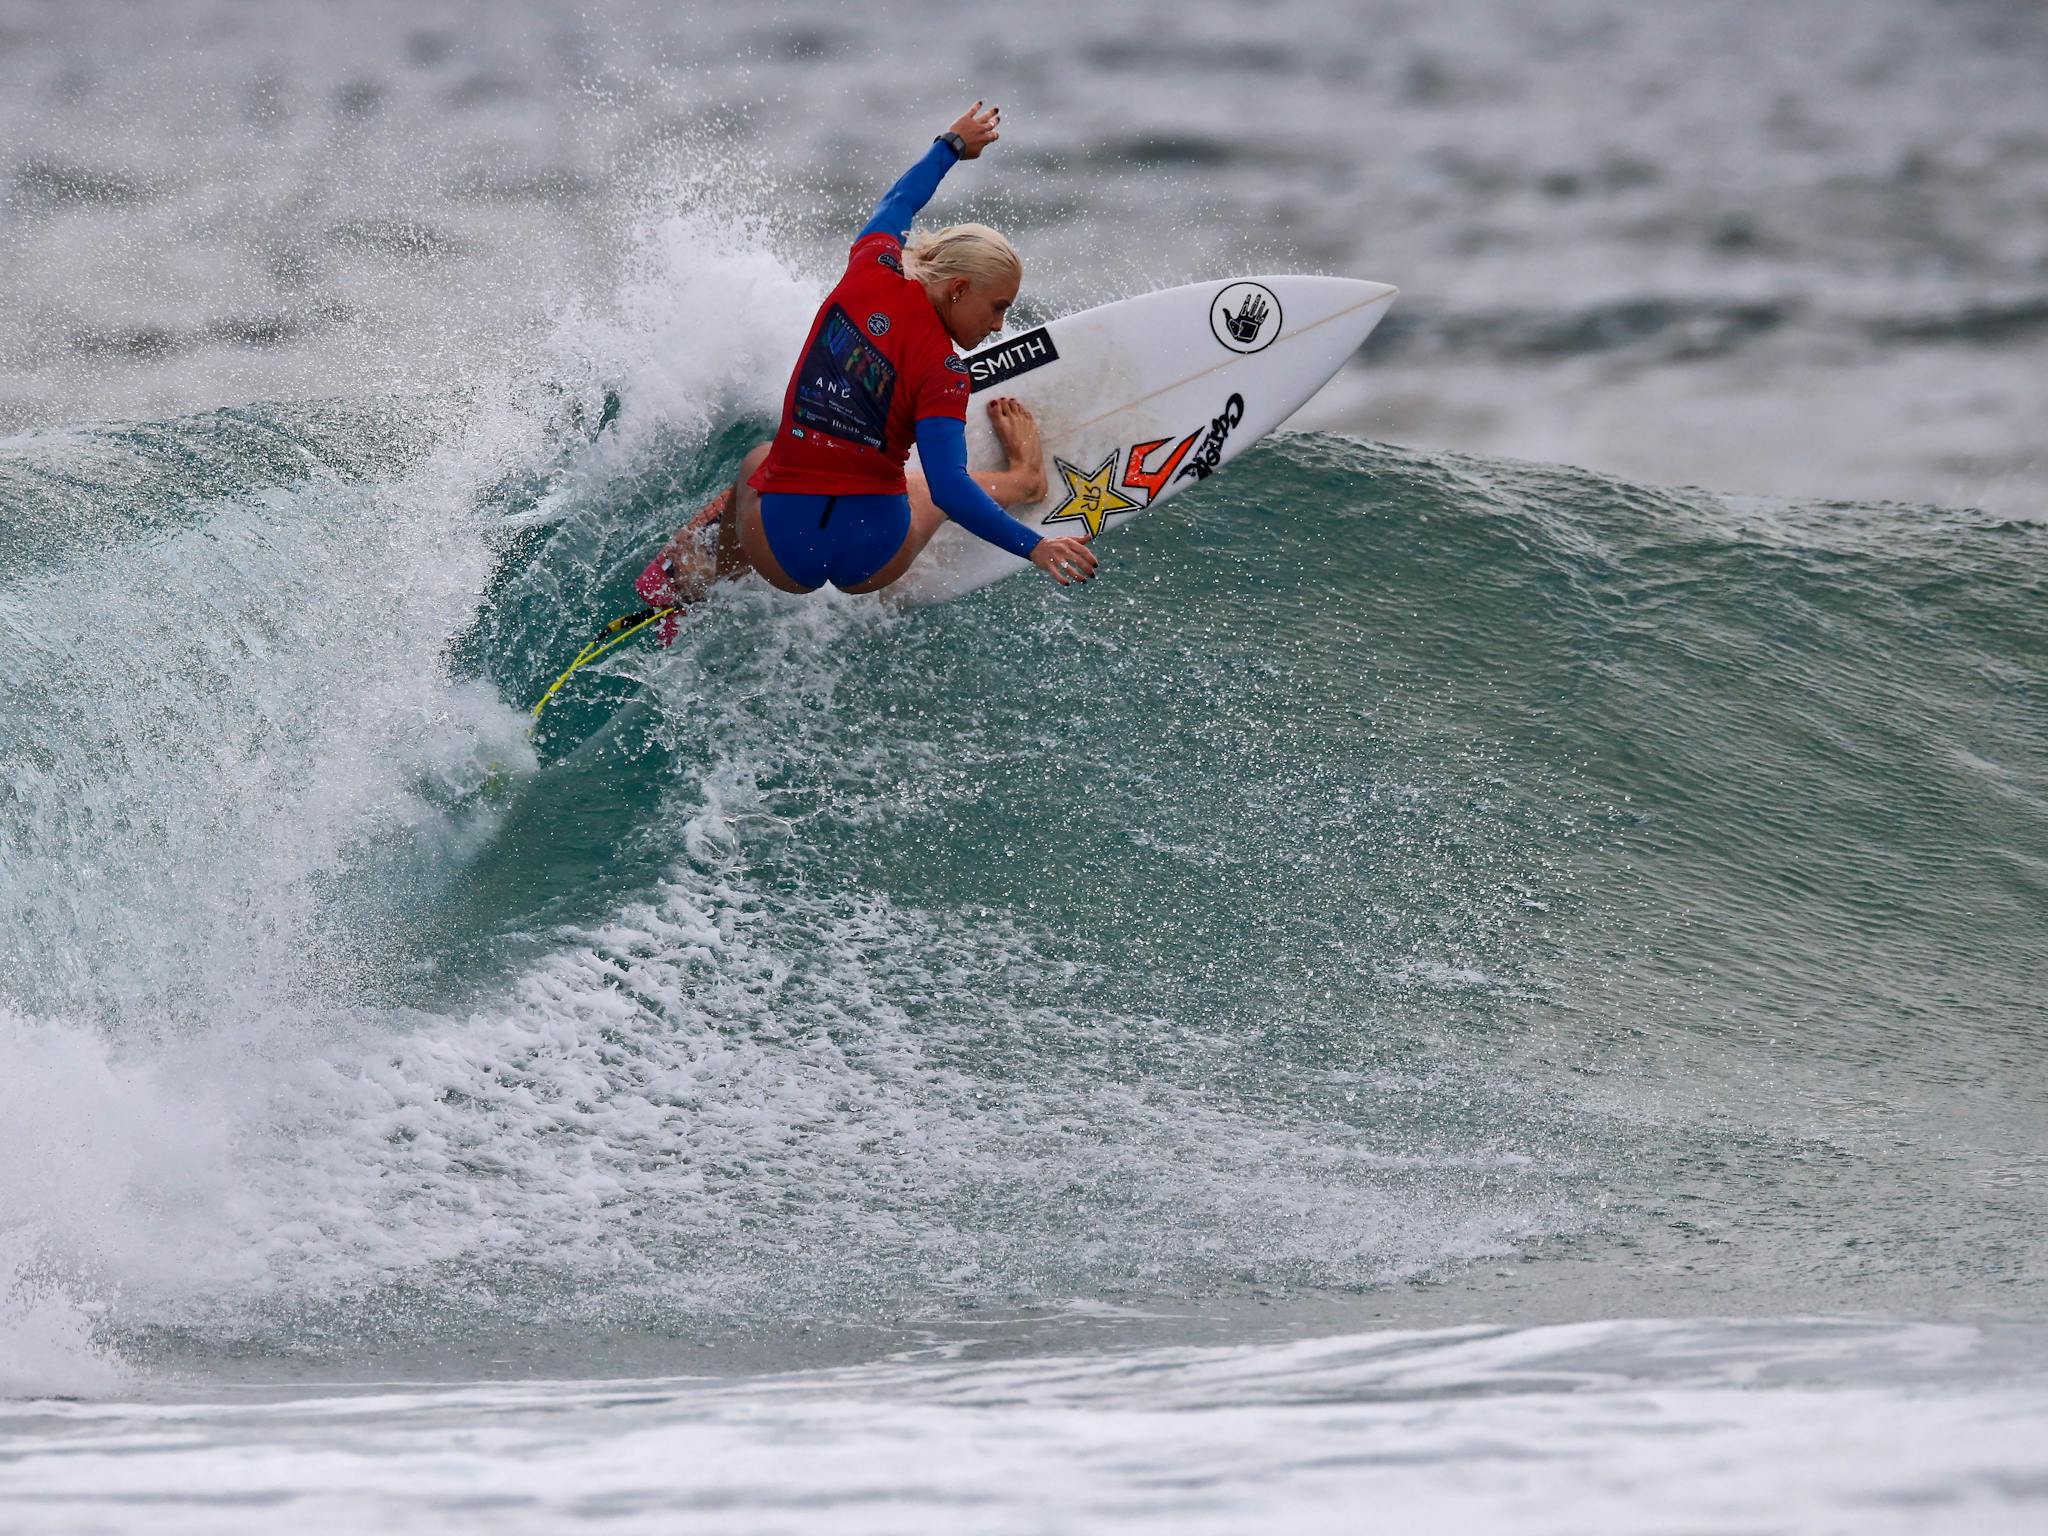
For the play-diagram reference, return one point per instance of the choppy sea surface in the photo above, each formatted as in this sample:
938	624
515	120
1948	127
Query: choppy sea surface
1446	989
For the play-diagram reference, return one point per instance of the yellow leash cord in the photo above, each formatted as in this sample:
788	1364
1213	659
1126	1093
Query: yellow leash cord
616	633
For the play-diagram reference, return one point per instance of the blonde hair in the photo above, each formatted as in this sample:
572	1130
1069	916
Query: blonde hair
972	251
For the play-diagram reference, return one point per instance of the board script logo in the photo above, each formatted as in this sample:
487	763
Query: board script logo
1245	317
1020	354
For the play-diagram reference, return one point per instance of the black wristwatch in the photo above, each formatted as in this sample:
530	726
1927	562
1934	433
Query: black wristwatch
954	142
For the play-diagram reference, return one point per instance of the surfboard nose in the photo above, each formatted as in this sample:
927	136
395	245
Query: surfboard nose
1330	315
1314	299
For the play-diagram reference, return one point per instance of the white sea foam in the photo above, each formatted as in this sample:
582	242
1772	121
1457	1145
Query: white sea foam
95	1142
1614	1426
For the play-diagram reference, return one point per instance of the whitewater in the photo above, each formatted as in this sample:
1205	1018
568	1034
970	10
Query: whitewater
1528	1017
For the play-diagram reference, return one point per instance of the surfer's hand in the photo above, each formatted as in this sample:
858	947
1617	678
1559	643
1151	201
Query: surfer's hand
977	129
1065	560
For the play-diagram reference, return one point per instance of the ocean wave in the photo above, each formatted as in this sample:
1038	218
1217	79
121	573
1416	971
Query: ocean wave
1396	859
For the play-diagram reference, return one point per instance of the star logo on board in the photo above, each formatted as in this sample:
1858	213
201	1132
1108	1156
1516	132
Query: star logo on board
1090	497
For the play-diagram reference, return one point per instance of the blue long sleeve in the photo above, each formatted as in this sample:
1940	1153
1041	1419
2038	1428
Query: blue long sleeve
942	449
913	189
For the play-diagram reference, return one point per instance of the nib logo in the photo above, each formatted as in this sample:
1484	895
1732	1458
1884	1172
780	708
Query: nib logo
1245	317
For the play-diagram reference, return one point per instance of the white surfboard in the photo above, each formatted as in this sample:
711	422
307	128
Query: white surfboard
1140	399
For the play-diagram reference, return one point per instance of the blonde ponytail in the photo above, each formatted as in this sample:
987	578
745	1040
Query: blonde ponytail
972	251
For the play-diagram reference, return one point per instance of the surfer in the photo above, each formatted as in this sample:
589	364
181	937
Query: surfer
827	498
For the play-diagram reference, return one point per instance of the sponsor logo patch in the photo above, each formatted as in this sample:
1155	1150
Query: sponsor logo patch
1210	454
888	259
844	385
1090	497
957	366
1020	354
1245	317
1152	478
878	324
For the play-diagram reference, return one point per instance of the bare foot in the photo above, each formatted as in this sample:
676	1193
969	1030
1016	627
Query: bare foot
1017	430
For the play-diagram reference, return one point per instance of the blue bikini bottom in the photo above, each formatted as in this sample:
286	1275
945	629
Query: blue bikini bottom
841	539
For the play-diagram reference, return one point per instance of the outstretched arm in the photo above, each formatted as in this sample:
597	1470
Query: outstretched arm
976	129
942	449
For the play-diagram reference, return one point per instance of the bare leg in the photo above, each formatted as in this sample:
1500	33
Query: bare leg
697	561
1020	482
742	542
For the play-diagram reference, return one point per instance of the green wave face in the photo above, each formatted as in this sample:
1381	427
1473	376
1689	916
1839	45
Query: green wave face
1393	861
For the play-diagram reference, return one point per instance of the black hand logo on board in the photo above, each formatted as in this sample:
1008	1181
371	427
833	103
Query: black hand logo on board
1245	316
1244	325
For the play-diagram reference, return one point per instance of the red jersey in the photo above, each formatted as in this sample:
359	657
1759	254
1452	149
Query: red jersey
876	361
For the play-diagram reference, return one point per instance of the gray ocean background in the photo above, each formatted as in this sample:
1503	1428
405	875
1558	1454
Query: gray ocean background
1488	975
